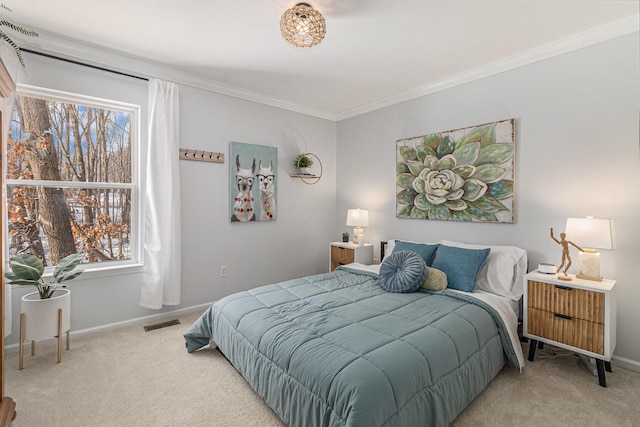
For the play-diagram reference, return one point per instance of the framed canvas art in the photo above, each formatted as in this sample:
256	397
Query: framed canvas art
458	175
253	174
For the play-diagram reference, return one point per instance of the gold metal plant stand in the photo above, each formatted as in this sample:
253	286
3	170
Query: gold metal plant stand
33	343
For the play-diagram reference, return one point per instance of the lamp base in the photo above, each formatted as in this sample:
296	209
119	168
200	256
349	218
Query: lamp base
585	277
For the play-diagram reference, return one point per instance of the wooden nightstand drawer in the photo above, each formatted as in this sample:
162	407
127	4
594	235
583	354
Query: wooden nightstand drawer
568	301
347	253
342	255
567	330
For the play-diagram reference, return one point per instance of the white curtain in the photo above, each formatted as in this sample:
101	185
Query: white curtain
6	104
161	277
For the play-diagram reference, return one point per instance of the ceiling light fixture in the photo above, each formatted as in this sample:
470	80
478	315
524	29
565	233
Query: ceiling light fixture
302	26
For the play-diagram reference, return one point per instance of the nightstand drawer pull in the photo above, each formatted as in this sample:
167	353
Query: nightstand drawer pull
563	316
564	288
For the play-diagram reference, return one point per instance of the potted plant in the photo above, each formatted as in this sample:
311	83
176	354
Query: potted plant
45	313
345	237
4	37
303	163
27	269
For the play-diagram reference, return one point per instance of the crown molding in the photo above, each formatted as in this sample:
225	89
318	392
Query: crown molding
577	41
56	45
78	51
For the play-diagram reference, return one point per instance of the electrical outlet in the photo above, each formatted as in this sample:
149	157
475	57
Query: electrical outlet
223	271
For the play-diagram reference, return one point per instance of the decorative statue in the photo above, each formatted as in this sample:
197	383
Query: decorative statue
566	257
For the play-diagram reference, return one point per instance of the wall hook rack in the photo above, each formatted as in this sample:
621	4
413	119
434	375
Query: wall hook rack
202	156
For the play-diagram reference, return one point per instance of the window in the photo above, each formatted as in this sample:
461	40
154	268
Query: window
71	183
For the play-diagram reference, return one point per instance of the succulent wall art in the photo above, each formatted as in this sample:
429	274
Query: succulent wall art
459	175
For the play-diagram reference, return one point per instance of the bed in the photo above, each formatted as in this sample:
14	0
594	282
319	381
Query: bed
337	349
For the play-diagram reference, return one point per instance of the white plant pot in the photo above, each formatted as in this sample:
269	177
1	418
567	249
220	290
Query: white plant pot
41	315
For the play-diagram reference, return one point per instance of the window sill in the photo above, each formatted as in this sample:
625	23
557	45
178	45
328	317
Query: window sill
100	271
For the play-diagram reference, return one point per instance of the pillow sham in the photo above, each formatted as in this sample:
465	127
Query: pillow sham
391	243
402	271
460	265
425	250
436	280
503	271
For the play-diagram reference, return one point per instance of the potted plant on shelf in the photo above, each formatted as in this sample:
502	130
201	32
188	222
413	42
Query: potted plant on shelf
303	163
4	37
45	313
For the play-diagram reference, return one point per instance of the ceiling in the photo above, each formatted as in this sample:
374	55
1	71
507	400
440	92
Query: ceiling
374	51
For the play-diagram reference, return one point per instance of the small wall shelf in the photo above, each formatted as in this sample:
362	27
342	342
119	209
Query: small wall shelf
306	178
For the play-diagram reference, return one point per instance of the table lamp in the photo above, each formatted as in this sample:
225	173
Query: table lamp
591	234
358	218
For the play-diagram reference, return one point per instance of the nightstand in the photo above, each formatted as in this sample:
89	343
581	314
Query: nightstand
346	253
577	315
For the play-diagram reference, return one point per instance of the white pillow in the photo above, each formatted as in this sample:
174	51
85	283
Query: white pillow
503	271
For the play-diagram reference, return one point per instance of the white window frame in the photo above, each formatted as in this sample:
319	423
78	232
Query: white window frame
103	268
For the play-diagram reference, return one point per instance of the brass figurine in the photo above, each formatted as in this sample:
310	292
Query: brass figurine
566	256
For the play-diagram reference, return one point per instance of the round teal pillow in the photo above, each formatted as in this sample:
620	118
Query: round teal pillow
402	271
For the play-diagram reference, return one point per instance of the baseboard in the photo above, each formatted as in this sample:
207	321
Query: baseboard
623	362
117	325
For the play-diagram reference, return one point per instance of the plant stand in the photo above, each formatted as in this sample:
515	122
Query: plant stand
43	319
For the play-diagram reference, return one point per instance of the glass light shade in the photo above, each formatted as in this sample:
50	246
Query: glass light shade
302	26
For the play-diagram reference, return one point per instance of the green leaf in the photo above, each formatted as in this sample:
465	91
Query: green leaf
473	189
404	212
418	213
464	171
431	162
418	185
489	173
408	153
404	180
447	162
415	167
421	202
440	212
447	146
406	196
501	190
487	204
423	152
63	270
496	154
27	267
433	141
486	135
482	216
461	216
467	154
456	205
401	168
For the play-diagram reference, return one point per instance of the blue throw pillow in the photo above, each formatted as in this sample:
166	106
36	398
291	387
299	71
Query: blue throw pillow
460	265
402	271
424	250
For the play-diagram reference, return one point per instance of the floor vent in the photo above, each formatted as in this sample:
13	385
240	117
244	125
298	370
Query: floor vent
161	325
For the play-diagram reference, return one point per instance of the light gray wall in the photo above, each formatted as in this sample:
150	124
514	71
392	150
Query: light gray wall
577	155
295	245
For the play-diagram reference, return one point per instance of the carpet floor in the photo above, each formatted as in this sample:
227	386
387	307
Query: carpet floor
129	377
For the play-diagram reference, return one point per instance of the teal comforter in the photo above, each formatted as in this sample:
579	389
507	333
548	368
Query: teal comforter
335	349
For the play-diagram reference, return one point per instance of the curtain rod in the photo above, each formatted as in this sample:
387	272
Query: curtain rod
71	61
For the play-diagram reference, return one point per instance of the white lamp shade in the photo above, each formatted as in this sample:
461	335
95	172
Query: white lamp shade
357	218
590	232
